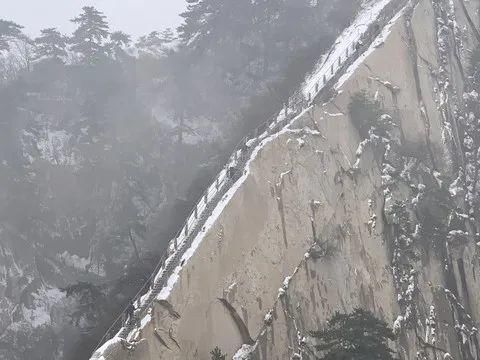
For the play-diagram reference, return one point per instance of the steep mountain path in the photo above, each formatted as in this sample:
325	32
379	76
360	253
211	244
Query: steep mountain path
352	44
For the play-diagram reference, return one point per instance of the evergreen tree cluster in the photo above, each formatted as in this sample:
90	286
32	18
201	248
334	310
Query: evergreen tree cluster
235	62
91	42
358	335
255	54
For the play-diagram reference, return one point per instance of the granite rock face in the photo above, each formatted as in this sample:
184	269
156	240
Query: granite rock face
337	212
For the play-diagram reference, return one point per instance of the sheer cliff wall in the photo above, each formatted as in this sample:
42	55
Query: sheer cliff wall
259	276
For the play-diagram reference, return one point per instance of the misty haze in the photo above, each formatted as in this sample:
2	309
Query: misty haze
239	179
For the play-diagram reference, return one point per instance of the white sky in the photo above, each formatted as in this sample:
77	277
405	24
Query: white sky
135	17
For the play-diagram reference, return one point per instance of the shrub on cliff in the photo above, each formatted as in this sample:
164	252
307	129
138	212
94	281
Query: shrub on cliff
358	335
364	112
217	354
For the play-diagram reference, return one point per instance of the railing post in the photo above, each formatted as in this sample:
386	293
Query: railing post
346	52
175	243
339	61
324	79
206	198
244	149
316	87
195	211
331	69
217	185
186	228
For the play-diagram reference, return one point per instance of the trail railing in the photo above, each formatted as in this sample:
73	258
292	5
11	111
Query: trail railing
234	169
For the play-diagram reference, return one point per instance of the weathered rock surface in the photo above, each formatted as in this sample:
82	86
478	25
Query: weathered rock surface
258	255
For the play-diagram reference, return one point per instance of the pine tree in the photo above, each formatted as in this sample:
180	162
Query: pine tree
120	39
90	36
90	302
355	336
167	36
156	43
118	42
217	354
196	11
180	94
8	30
218	20
51	44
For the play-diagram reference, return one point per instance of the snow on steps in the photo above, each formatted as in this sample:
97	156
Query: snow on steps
344	45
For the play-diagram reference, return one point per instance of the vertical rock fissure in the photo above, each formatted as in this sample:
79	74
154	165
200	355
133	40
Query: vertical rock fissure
463	280
469	20
160	339
242	328
448	98
416	76
279	197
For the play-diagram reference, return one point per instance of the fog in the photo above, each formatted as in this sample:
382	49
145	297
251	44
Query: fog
136	17
107	142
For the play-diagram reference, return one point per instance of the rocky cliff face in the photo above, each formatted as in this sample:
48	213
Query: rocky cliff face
369	198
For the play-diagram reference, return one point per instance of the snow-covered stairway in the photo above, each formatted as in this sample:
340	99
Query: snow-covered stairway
175	260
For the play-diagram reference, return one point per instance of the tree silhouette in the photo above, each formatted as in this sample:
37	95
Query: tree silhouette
120	39
8	30
90	36
118	42
156	43
355	336
51	44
